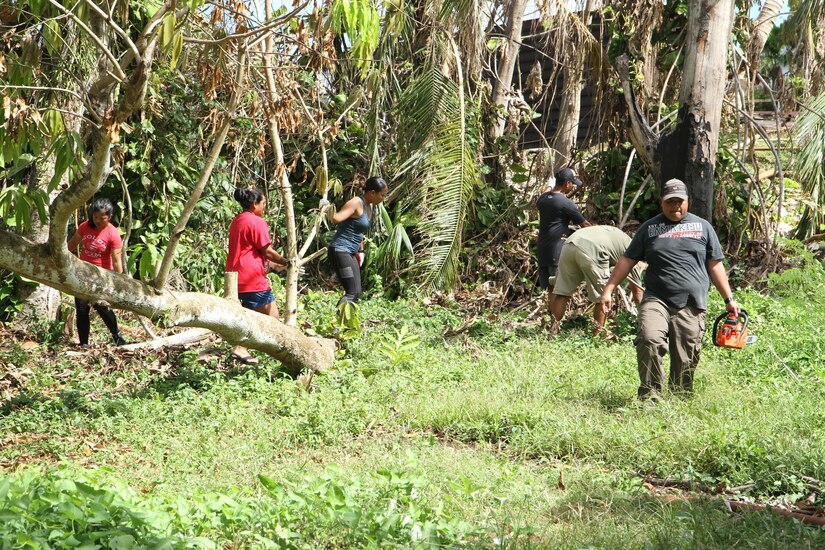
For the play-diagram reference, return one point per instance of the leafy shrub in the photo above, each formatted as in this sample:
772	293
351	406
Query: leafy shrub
390	508
10	302
65	511
398	347
806	278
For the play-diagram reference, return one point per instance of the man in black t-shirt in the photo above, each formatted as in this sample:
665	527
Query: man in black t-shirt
556	213
683	256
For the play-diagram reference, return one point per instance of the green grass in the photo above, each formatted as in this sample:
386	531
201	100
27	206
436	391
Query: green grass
502	436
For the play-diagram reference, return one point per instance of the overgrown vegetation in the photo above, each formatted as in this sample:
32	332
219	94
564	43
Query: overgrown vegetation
499	436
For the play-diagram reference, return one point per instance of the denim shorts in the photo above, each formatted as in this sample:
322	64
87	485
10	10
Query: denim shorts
254	300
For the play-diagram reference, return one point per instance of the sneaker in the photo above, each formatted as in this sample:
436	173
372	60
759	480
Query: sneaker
83	346
120	341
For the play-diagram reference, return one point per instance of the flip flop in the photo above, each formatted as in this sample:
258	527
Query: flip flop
246	359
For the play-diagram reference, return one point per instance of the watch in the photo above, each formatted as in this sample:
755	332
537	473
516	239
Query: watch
729	299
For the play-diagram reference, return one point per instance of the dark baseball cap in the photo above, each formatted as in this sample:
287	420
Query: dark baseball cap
567	174
674	188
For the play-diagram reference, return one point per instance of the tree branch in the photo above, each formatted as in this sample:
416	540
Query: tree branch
108	53
111	22
259	33
67	202
642	137
231	110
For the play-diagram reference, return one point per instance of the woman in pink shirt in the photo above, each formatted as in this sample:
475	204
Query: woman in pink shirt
251	255
100	245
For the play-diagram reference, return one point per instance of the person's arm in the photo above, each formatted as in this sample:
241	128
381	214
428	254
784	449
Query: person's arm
719	278
276	262
352	207
117	260
74	242
619	274
638	293
576	216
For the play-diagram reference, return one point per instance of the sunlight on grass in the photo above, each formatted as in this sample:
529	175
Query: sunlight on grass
500	436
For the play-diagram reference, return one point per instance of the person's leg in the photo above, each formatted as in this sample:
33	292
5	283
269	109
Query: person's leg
568	277
270	309
595	274
261	303
544	277
559	306
349	274
651	346
686	329
83	323
110	320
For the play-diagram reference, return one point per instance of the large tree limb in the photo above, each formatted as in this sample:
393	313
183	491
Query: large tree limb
73	198
167	308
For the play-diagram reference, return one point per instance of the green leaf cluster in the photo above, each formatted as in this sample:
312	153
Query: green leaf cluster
64	510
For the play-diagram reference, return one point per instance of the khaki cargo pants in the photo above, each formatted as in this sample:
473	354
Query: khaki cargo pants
668	329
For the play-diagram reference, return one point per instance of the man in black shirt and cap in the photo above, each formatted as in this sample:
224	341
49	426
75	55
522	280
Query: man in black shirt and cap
684	257
556	214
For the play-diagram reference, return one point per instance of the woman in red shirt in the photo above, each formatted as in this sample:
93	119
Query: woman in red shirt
251	255
101	246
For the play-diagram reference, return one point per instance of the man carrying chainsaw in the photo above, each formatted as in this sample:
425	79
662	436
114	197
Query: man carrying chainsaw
683	256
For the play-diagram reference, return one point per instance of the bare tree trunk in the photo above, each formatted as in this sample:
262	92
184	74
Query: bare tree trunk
290	315
689	151
571	105
471	40
509	55
41	302
564	141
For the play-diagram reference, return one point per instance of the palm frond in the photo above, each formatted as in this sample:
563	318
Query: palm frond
809	164
807	12
449	179
429	100
439	171
396	249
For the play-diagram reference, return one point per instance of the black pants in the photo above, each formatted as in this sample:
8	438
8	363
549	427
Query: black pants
547	276
83	322
346	267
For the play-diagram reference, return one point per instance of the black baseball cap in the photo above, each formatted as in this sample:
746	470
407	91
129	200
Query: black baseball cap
567	174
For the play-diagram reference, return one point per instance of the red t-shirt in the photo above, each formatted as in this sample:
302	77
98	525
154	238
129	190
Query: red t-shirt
97	244
248	235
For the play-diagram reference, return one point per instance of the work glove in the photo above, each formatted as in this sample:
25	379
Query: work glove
322	204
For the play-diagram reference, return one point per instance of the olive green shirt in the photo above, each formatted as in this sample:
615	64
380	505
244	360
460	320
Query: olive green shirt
605	245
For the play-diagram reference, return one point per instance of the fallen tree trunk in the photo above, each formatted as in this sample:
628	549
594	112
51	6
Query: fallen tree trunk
166	308
187	337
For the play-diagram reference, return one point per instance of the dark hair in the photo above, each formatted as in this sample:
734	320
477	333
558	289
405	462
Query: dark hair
247	197
100	205
375	184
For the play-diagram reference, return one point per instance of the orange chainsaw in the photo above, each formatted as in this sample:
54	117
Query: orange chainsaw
733	332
